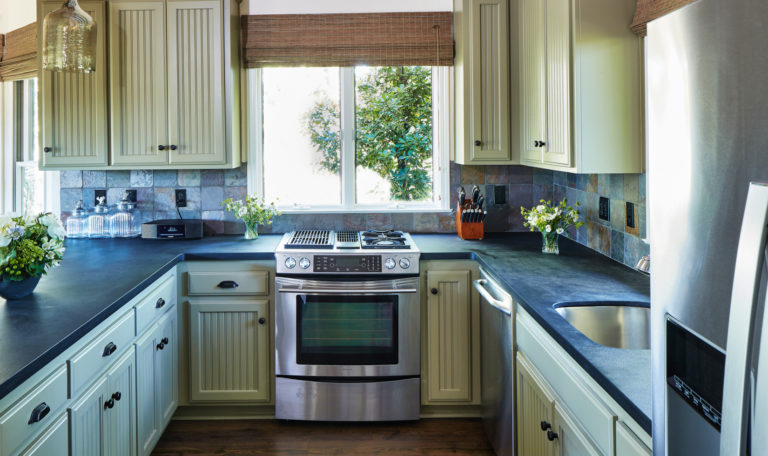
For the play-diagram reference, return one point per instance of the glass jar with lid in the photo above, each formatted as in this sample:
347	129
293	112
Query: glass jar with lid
126	221
98	221
77	223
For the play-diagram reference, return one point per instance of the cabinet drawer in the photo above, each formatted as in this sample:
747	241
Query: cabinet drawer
34	412
628	444
52	441
229	283
100	352
155	304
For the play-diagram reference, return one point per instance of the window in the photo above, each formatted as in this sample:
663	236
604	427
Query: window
346	139
26	189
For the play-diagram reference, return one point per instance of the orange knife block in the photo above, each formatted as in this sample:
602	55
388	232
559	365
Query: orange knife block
468	230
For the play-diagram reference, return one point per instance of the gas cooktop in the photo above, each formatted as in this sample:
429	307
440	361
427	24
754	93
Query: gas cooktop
347	252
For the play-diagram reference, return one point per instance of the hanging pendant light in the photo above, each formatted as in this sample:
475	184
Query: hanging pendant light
69	40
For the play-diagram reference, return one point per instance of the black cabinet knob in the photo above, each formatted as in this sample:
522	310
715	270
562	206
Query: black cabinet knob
161	147
174	147
117	396
39	412
536	143
542	144
47	149
109	404
433	291
478	142
109	349
262	320
164	341
545	426
227	284
160	303
160	346
551	435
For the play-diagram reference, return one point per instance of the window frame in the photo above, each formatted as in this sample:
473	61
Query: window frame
442	146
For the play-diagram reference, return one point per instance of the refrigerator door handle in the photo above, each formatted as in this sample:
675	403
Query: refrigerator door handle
760	385
744	297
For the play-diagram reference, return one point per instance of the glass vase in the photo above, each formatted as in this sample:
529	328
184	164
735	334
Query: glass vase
549	243
251	231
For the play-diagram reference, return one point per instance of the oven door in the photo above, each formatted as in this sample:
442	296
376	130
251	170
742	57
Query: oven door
347	328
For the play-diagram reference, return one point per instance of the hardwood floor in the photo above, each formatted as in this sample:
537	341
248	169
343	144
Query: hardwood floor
425	437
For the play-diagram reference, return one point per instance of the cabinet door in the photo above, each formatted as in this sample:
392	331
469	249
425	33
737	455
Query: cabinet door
489	60
120	408
166	369
532	30
449	343
137	83
535	411
73	106
147	414
558	79
195	82
54	441
627	443
229	354
570	440
86	418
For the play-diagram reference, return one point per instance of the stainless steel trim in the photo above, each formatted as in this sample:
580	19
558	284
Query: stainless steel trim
312	291
395	400
500	305
749	263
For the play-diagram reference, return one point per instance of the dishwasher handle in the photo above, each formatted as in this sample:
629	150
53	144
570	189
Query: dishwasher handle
504	306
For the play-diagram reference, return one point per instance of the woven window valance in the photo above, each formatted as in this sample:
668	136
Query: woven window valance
18	59
381	39
648	10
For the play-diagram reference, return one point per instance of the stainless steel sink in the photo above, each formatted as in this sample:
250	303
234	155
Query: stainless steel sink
617	324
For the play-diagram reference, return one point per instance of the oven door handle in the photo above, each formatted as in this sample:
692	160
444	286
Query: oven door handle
348	291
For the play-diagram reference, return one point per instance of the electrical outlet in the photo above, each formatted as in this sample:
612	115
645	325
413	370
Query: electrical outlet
98	194
181	197
605	209
131	195
630	214
499	194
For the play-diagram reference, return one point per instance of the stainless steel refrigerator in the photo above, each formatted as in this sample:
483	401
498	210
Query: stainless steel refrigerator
707	92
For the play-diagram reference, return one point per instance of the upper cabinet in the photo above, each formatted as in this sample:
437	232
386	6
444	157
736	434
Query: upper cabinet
482	82
173	73
580	86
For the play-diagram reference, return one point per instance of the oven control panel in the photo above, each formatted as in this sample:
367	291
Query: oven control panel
311	263
347	263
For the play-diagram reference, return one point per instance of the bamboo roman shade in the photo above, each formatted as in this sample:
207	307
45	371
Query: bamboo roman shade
376	39
18	59
648	10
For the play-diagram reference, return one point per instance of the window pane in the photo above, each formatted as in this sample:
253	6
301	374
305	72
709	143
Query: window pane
32	183
394	134
302	135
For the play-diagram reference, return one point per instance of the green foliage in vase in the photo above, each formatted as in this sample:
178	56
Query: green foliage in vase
30	246
254	211
393	130
551	219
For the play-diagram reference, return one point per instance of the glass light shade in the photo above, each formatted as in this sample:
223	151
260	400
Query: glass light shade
69	35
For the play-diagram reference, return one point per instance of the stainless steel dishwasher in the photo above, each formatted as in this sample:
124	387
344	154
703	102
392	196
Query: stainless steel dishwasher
497	361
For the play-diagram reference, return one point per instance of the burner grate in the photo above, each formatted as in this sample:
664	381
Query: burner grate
347	237
316	239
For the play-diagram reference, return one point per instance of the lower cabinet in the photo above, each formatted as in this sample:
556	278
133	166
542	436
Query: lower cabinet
229	350
157	393
569	440
102	420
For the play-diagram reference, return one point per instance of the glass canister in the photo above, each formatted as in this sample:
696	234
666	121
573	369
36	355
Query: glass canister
126	221
98	221
77	223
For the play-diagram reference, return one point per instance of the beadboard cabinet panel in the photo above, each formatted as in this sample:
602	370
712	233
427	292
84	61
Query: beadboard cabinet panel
73	107
532	77
85	416
558	76
119	424
535	410
138	83
167	369
195	82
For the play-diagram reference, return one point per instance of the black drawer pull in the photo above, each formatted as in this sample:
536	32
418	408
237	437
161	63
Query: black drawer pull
109	404
160	346
174	147
551	435
117	396
109	349
545	426
161	147
39	413
160	303
47	150
228	284
262	320
164	340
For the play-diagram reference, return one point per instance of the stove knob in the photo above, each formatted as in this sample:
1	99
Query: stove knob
389	263
290	262
304	263
404	263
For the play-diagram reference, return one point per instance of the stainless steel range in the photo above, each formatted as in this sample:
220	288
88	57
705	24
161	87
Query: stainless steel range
347	335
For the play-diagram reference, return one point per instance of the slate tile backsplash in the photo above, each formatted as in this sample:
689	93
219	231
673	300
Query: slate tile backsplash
516	185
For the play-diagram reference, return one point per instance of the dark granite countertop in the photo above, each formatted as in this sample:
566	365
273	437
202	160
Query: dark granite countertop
97	277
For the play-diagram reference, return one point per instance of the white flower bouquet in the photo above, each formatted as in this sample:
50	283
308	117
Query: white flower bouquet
29	247
551	221
254	211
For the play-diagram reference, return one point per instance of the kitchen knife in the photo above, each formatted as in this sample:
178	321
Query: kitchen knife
480	202
462	197
475	194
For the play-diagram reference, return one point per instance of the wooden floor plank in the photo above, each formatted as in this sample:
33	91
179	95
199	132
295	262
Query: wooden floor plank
432	437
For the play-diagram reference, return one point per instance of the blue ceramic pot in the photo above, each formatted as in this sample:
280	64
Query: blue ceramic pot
17	290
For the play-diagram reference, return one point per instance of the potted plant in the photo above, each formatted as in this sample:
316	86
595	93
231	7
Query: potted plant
551	221
254	211
29	247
